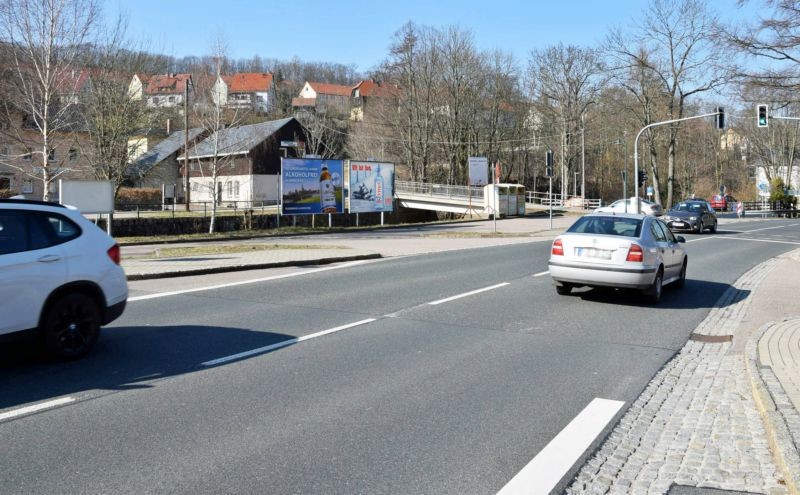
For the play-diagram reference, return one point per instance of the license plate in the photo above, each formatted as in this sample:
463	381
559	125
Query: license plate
679	224
588	252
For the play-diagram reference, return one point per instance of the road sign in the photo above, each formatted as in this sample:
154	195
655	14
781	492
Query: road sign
289	144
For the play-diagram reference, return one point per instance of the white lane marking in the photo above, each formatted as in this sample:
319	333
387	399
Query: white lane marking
762	240
459	296
765	228
285	343
558	456
245	282
541	273
36	407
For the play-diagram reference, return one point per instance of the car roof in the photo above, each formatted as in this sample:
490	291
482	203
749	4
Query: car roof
18	202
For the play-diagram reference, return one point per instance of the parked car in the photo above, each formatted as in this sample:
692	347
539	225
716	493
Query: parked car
618	250
722	202
694	215
60	276
629	206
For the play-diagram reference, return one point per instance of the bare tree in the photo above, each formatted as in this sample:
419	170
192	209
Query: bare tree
110	115
212	115
46	40
676	43
565	81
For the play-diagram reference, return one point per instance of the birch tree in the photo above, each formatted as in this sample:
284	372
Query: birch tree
46	39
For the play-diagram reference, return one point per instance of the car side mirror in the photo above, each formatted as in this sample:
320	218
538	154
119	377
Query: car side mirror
680	238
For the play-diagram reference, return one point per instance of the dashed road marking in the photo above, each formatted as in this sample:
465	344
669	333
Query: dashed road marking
551	464
284	343
465	294
22	411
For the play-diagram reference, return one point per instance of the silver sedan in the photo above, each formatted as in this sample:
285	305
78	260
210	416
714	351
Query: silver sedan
618	250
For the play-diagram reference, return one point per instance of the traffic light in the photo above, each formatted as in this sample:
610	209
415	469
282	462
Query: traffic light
763	116
720	118
642	178
548	161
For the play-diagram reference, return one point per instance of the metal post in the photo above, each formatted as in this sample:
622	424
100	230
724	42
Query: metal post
330	220
550	195
381	219
186	144
583	160
636	150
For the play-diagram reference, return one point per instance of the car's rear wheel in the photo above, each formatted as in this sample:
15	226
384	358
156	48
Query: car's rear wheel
71	326
564	289
682	279
653	294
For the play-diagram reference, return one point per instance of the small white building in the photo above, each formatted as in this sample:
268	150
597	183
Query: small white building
249	90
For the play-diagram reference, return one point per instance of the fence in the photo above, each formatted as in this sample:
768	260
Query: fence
545	199
197	209
440	190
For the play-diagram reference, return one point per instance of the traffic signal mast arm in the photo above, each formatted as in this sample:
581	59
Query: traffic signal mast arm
636	146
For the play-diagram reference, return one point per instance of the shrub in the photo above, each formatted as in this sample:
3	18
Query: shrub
138	196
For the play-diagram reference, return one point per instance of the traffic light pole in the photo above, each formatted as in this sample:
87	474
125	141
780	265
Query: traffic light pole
636	149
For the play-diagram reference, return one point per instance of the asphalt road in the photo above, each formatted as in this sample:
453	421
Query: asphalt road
455	397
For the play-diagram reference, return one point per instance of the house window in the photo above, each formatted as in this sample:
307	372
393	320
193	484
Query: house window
171	99
236	189
73	154
53	186
151	100
5	183
194	186
229	189
27	186
51	155
193	167
27	154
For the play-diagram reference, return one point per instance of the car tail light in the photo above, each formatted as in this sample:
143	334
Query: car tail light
114	254
635	254
558	248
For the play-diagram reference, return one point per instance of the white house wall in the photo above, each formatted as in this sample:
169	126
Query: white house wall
255	188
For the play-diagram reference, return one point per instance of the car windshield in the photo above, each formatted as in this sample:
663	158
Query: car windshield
607	225
686	207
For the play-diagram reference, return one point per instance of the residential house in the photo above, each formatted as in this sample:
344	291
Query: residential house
159	165
250	90
248	161
370	97
323	98
161	90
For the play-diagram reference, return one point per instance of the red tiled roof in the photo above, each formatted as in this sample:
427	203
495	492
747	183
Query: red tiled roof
331	89
72	82
303	102
166	83
248	82
371	88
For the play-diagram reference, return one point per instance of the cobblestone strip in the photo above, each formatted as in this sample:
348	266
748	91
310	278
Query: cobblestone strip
695	424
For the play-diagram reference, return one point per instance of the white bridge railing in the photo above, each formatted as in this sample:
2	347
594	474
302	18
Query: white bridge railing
438	190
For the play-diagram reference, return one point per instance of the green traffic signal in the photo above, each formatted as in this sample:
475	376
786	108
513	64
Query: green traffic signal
763	116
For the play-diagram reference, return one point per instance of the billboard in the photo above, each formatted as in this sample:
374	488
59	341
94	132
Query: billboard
311	185
371	186
478	170
89	196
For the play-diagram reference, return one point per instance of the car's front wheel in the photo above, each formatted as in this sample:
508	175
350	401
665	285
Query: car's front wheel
700	227
71	326
714	228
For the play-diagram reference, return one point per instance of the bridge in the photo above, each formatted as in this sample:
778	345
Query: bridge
460	199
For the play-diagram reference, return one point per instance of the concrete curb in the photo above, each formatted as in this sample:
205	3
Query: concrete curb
766	389
250	266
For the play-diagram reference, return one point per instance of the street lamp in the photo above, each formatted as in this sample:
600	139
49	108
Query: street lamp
624	173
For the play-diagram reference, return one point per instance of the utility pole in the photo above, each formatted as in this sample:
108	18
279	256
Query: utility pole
186	189
583	161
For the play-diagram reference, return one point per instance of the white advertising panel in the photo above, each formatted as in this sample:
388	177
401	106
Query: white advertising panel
88	196
478	170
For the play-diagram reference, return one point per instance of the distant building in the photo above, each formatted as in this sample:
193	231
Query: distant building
248	158
159	165
251	90
161	90
323	98
370	98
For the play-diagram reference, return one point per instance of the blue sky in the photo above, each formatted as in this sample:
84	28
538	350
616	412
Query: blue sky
359	32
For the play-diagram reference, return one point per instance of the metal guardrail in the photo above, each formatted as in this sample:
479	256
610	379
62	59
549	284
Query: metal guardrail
545	199
438	190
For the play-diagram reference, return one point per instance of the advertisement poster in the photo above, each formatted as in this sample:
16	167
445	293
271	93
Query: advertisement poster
311	186
371	187
478	170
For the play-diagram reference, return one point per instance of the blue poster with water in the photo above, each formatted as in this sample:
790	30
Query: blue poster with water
371	187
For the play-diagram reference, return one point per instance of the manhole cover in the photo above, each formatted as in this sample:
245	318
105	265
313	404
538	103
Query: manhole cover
693	490
711	339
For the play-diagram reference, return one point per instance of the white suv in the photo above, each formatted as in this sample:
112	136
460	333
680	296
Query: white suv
59	275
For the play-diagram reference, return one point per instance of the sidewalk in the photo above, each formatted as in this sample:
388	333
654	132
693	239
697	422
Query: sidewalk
723	413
